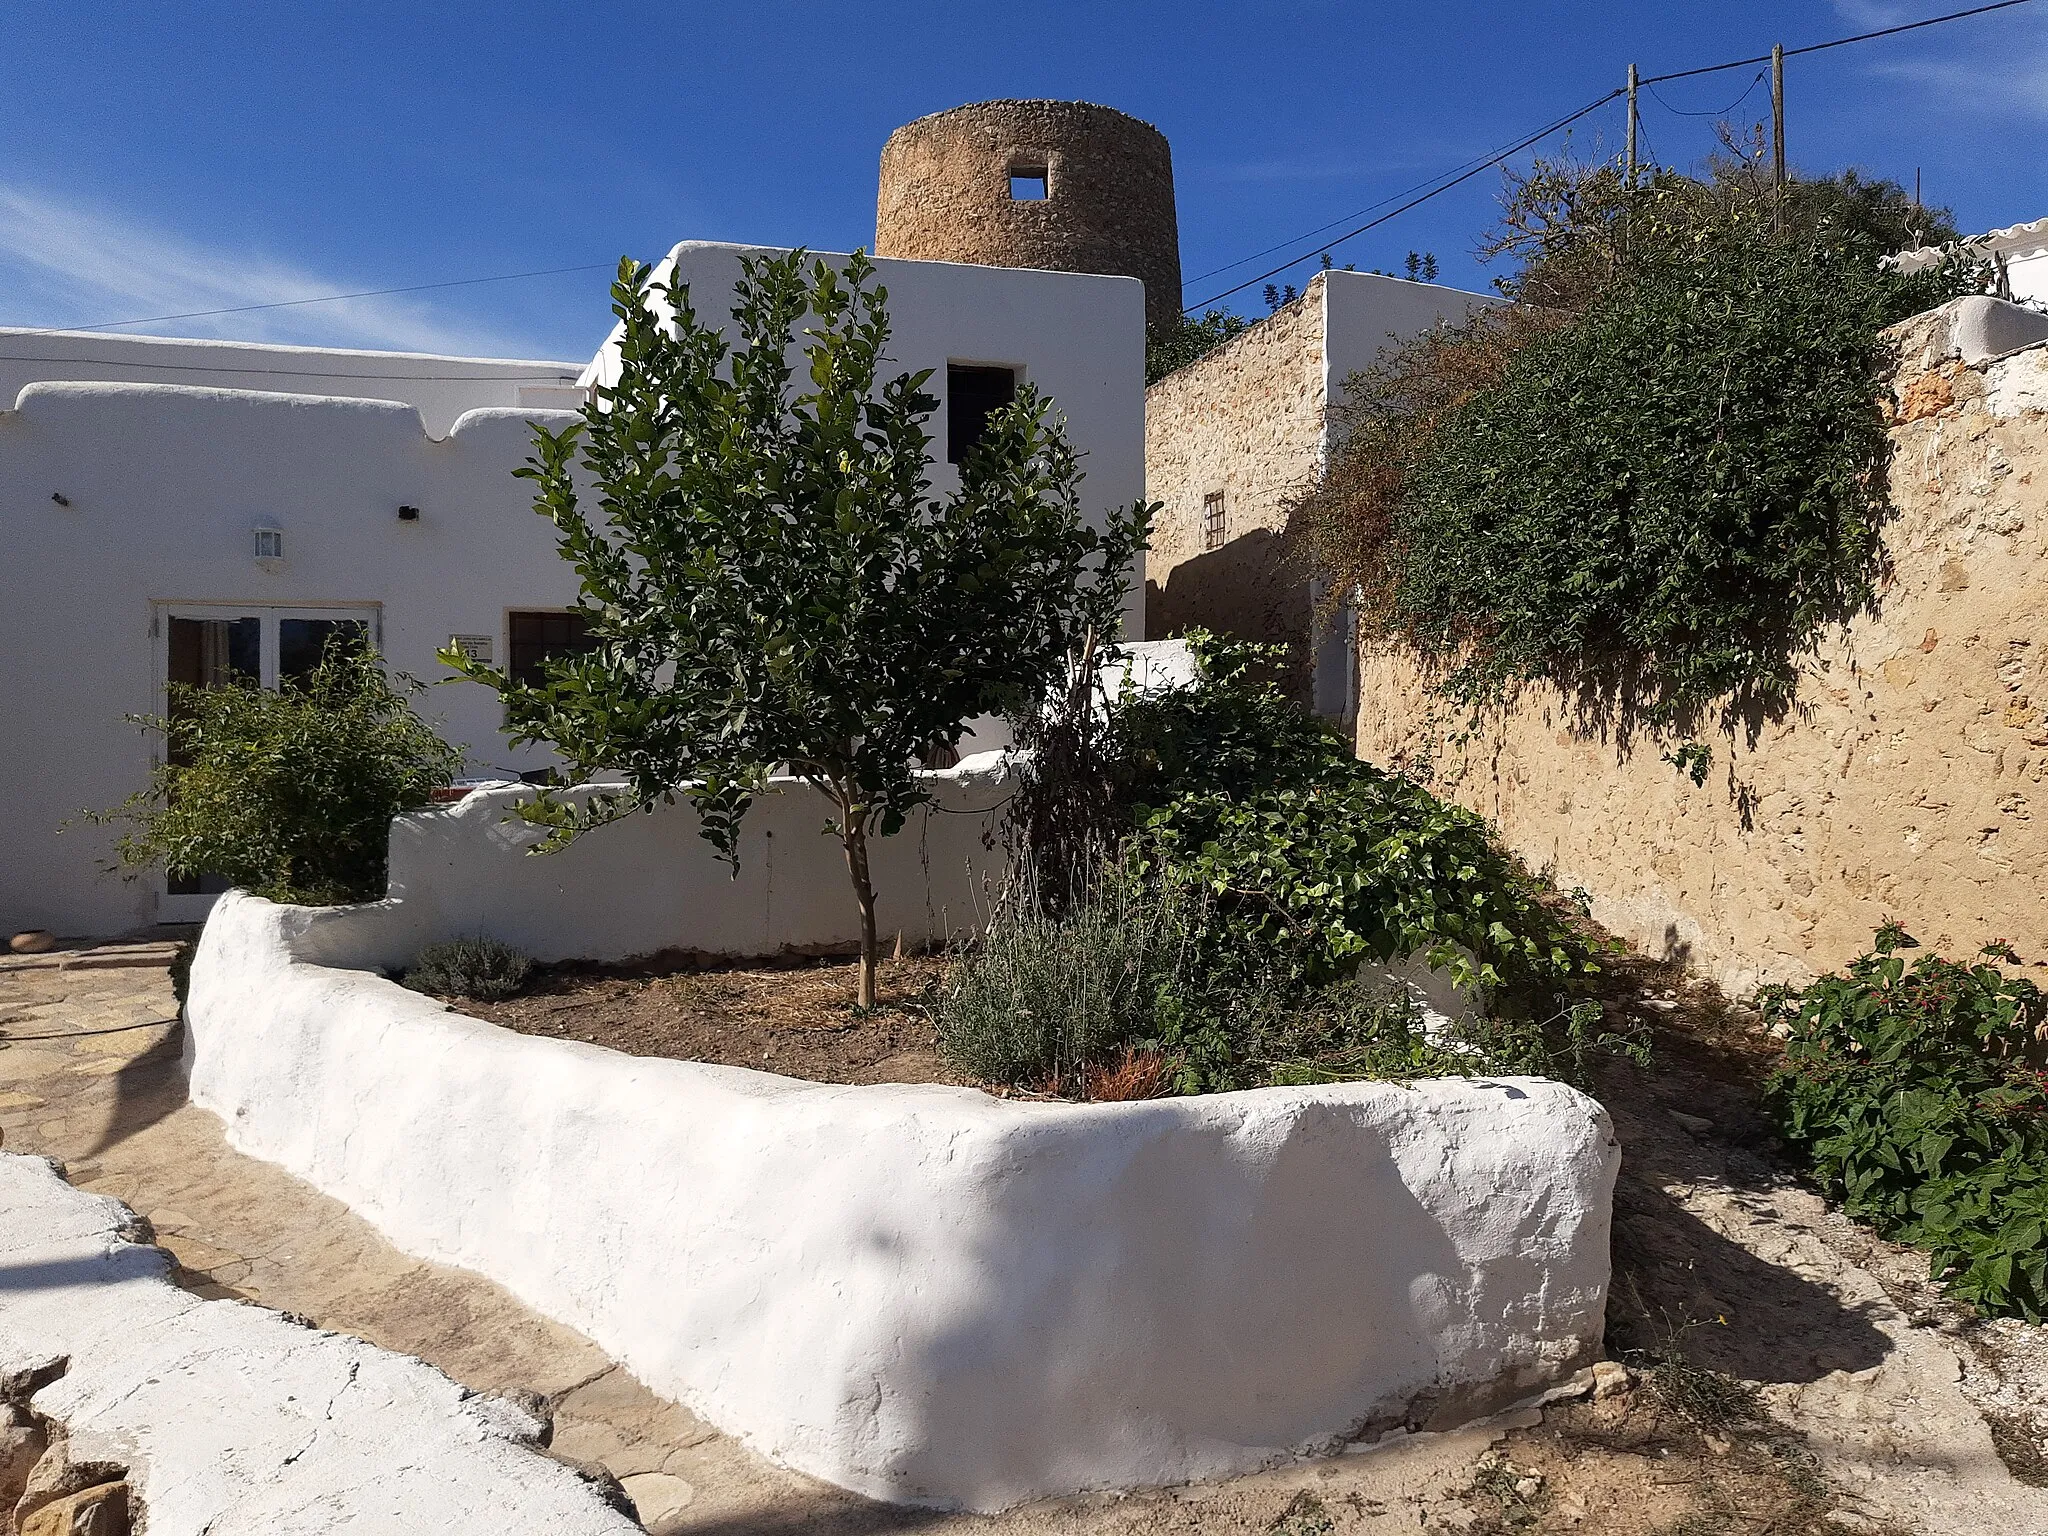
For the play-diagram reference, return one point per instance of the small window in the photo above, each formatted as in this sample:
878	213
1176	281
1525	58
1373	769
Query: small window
269	543
1212	520
1027	184
537	636
973	394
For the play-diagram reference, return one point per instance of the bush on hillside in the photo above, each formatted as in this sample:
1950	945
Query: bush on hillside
1660	476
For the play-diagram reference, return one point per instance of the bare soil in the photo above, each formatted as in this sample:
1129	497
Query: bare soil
796	1019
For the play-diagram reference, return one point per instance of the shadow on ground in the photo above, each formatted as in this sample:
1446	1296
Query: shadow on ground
146	1090
1678	1282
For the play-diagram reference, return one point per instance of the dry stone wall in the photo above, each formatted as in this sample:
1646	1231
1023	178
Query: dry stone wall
1910	781
1246	420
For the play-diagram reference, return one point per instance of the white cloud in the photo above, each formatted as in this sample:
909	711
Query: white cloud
1990	66
64	264
2013	84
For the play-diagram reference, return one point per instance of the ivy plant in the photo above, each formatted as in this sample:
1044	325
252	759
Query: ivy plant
1915	1095
770	580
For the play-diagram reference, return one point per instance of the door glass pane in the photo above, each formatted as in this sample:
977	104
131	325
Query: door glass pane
301	643
211	653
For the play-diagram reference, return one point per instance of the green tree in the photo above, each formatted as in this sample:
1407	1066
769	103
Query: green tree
770	580
1173	348
290	793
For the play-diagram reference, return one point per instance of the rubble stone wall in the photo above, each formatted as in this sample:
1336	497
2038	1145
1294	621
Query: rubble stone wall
1108	208
1246	420
1910	779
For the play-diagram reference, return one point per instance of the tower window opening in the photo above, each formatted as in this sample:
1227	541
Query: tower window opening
1213	525
1028	184
973	394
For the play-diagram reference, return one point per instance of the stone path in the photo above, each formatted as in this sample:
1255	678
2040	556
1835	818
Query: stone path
1706	1229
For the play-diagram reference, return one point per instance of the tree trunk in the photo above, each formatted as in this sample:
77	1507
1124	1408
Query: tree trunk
854	835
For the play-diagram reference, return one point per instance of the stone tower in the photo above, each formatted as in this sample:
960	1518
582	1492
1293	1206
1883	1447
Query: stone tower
1065	185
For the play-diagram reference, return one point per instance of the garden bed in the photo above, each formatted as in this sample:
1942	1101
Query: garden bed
797	1020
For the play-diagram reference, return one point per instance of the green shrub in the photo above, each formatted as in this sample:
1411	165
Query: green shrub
1656	480
1050	990
1260	868
478	968
1678	492
1316	861
1912	1094
288	793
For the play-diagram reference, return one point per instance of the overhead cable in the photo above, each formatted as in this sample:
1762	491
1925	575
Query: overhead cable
1471	169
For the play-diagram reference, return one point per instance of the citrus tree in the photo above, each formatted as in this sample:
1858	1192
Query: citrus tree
771	582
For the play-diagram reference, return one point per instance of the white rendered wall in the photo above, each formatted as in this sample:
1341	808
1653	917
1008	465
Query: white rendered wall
927	1294
1365	313
164	483
441	387
464	869
1079	338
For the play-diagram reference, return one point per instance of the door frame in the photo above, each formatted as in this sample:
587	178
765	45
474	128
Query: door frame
186	908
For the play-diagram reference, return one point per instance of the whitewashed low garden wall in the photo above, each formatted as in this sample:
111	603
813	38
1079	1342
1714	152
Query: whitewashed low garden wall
927	1294
651	883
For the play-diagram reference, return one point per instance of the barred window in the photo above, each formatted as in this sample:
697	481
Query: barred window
1212	520
537	636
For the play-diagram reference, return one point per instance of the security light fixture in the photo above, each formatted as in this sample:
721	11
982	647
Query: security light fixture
408	514
60	498
269	543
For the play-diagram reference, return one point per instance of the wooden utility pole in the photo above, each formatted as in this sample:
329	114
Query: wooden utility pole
1631	125
1777	132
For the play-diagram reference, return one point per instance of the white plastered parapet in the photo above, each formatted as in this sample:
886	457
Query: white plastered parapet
927	1294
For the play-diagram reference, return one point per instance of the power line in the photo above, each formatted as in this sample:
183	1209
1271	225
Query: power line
1838	42
325	298
1489	162
1723	112
1345	218
1470	170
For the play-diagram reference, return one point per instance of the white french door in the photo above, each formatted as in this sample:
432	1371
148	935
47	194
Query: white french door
220	645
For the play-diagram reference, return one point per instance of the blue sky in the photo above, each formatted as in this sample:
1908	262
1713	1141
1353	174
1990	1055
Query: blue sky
162	159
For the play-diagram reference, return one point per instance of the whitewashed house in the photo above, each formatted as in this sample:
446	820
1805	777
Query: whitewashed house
2019	258
194	510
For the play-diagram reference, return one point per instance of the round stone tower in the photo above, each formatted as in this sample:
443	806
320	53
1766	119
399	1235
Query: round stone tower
1065	185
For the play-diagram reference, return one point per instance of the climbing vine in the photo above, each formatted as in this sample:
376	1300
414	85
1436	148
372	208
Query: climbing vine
1659	481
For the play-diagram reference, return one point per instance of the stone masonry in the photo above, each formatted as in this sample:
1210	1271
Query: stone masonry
1246	420
1909	781
1108	208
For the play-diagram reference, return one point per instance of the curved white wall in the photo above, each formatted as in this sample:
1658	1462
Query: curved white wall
928	1294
